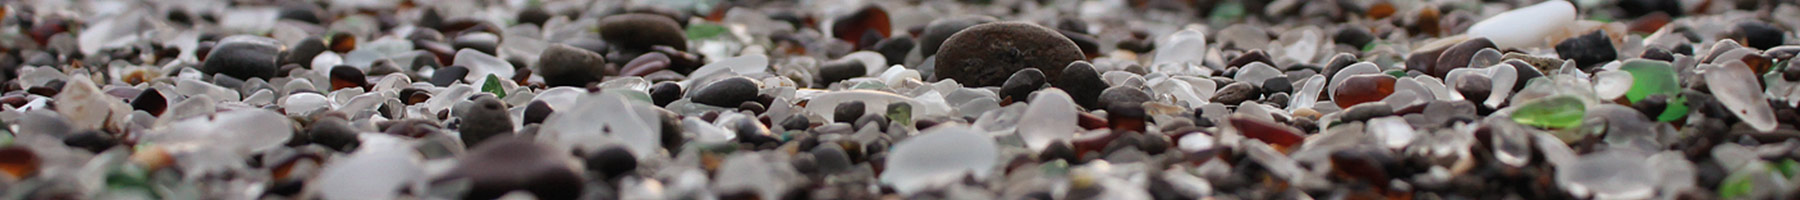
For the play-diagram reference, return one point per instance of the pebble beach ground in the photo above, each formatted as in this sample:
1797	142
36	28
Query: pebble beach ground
902	99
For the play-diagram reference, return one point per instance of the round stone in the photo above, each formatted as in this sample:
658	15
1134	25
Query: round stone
537	111
1588	50
1458	56
729	92
510	164
486	118
1355	36
1760	35
984	55
1021	84
1121	95
303	51
840	70
641	31
832	159
1235	93
612	161
242	60
847	112
665	92
1082	83
448	75
564	65
942	28
1277	85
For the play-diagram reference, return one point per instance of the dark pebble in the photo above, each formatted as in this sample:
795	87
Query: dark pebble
242	60
1021	84
796	122
1475	88
611	161
1366	111
333	132
983	55
92	140
1339	62
895	49
1760	35
847	112
941	29
1277	85
728	92
537	111
641	31
1089	47
1588	50
665	92
1235	93
448	75
534	15
345	76
839	70
1652	105
1658	53
1458	56
832	159
1059	150
1791	72
480	41
1082	83
646	64
486	118
302	52
564	65
1255	55
1119	95
1355	36
511	163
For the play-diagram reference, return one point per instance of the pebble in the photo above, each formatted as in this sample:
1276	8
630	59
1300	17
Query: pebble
1082	83
1021	84
1121	95
1458	56
1234	93
941	29
448	75
728	92
1358	89
508	164
1588	49
980	54
638	31
242	60
1759	35
485	119
564	65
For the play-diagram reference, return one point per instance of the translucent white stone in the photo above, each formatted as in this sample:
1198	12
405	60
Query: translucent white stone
111	33
1308	93
1735	86
372	172
766	175
302	103
1181	48
1612	84
1299	45
1617	174
1196	142
86	107
1525	27
482	64
575	127
241	131
941	155
1048	119
1255	73
1393	131
747	64
1180	91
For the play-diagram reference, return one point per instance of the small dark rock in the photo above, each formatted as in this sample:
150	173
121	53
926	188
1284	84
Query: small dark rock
840	70
564	65
1355	36
641	31
941	29
847	112
1457	56
1277	85
537	111
1119	95
1235	93
1588	50
612	161
1366	111
1255	55
448	75
150	101
895	49
728	92
1760	35
302	52
486	118
1021	84
665	92
242	60
832	159
1082	83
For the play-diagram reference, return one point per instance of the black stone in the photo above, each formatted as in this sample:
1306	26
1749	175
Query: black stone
1339	62
1120	95
1760	35
1475	88
534	15
796	122
1082	83
1366	111
1021	84
983	55
832	159
1235	93
847	112
537	111
486	118
941	29
448	75
1457	56
839	70
612	161
1588	50
93	140
564	65
1652	105
591	44
1355	36
1277	85
1255	55
302	52
484	42
1089	47
895	49
347	76
729	92
1059	150
334	133
242	60
665	92
1636	8
1658	53
641	31
1791	72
